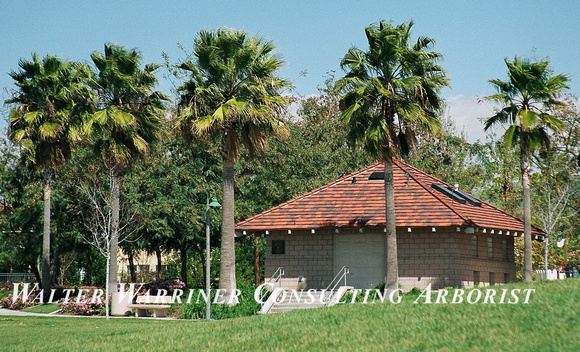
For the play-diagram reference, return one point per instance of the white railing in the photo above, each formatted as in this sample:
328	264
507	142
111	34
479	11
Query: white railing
335	282
277	276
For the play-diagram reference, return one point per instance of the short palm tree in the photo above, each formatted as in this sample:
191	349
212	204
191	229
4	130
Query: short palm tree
45	120
233	95
387	92
529	98
125	123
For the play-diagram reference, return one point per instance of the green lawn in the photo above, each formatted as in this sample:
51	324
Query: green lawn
548	323
44	308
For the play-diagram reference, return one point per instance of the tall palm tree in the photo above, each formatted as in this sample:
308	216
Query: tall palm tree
125	123
529	98
45	120
234	95
387	92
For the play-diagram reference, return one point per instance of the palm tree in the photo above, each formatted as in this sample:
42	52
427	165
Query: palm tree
386	93
125	123
45	121
233	95
528	97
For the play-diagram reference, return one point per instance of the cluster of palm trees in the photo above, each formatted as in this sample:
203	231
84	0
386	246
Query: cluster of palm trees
232	96
112	107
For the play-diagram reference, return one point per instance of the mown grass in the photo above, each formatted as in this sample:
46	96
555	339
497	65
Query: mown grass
43	308
548	323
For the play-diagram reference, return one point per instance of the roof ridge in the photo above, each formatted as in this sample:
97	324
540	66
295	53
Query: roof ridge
328	185
397	162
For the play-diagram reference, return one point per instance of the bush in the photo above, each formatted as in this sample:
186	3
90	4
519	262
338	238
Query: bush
247	306
6	302
84	306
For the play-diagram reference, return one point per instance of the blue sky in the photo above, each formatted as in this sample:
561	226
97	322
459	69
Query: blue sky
312	36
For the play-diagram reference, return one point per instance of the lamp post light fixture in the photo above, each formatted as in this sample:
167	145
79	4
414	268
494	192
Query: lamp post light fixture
214	204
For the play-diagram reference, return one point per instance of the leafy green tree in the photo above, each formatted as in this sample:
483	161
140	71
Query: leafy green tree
125	123
45	120
72	221
168	193
554	189
498	184
529	99
233	94
387	91
20	209
315	154
448	156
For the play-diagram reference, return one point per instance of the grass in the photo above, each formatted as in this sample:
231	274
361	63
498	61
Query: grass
548	323
43	308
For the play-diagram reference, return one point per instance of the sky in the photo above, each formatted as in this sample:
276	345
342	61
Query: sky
312	36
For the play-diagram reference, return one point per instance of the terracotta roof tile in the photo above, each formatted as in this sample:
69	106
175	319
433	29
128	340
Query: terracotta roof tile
345	203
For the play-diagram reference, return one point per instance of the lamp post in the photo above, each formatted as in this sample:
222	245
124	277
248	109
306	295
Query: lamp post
214	203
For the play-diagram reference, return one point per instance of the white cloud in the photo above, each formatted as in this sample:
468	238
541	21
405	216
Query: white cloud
468	113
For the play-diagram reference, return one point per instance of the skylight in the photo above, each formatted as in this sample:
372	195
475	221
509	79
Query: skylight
456	194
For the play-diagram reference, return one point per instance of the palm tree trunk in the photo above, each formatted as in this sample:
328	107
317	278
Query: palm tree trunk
114	248
46	234
392	279
228	253
525	165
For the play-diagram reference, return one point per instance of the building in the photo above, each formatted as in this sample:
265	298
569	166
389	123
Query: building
445	237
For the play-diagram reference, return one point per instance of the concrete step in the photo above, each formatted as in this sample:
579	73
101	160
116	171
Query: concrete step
302	299
289	307
303	304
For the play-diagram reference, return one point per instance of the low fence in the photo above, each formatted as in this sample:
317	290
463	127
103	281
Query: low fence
16	277
555	274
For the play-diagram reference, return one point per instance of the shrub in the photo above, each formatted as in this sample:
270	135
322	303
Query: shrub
6	302
85	306
247	306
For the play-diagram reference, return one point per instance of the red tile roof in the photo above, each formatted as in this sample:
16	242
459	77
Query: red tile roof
347	204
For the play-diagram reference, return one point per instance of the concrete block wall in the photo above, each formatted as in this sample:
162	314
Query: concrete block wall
427	257
306	254
442	258
445	259
482	270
